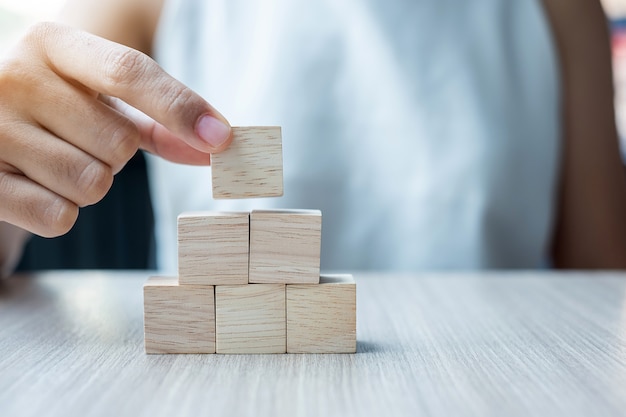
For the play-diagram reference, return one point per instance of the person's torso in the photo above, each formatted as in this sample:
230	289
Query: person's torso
426	131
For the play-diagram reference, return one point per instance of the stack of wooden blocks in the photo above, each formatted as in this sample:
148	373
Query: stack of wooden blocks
249	282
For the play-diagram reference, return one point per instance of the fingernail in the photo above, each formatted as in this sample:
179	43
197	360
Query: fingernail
212	131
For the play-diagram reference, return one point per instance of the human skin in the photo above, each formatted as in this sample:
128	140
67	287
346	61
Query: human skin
591	213
56	86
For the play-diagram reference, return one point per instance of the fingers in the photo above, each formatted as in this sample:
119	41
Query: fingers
32	207
57	165
156	139
163	143
118	71
86	123
60	145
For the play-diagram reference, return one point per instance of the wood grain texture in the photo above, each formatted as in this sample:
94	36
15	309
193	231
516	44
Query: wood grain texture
252	166
213	248
495	344
321	318
178	319
250	318
285	246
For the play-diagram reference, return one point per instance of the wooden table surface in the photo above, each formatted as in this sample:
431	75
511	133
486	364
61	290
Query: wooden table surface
497	344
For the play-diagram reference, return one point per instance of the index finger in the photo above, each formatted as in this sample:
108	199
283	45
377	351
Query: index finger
116	70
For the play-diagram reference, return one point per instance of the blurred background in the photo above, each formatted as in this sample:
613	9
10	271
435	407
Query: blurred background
616	11
124	226
17	15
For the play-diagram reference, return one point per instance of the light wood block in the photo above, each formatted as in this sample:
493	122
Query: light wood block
252	166
178	319
250	318
213	248
285	246
322	318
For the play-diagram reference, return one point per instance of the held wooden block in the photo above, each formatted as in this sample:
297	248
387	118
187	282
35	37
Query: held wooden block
252	166
322	318
178	319
250	318
213	248
285	246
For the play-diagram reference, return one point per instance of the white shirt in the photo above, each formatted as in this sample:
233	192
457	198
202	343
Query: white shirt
427	131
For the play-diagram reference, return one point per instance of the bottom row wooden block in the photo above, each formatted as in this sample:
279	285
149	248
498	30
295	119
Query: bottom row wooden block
322	318
250	318
253	318
178	318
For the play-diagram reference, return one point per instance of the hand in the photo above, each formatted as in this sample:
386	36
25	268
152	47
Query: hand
74	108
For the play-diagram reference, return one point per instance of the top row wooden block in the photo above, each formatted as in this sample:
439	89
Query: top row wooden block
252	166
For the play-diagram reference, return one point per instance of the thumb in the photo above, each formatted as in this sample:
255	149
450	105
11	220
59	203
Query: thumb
157	139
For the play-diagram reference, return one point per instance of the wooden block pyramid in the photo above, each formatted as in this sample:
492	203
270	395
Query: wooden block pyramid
249	282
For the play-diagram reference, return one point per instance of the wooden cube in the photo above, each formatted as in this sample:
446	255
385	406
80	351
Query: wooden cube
322	318
285	246
250	318
252	166
178	319
213	248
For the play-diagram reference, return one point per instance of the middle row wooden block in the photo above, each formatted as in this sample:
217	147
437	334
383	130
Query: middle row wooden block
264	246
213	248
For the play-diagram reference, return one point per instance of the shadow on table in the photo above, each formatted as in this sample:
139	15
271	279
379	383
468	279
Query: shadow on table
369	347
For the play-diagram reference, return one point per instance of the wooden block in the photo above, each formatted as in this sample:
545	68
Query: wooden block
178	319
213	248
250	318
322	318
252	166
285	246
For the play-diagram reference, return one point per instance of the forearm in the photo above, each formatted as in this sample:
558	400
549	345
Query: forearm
12	241
590	226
